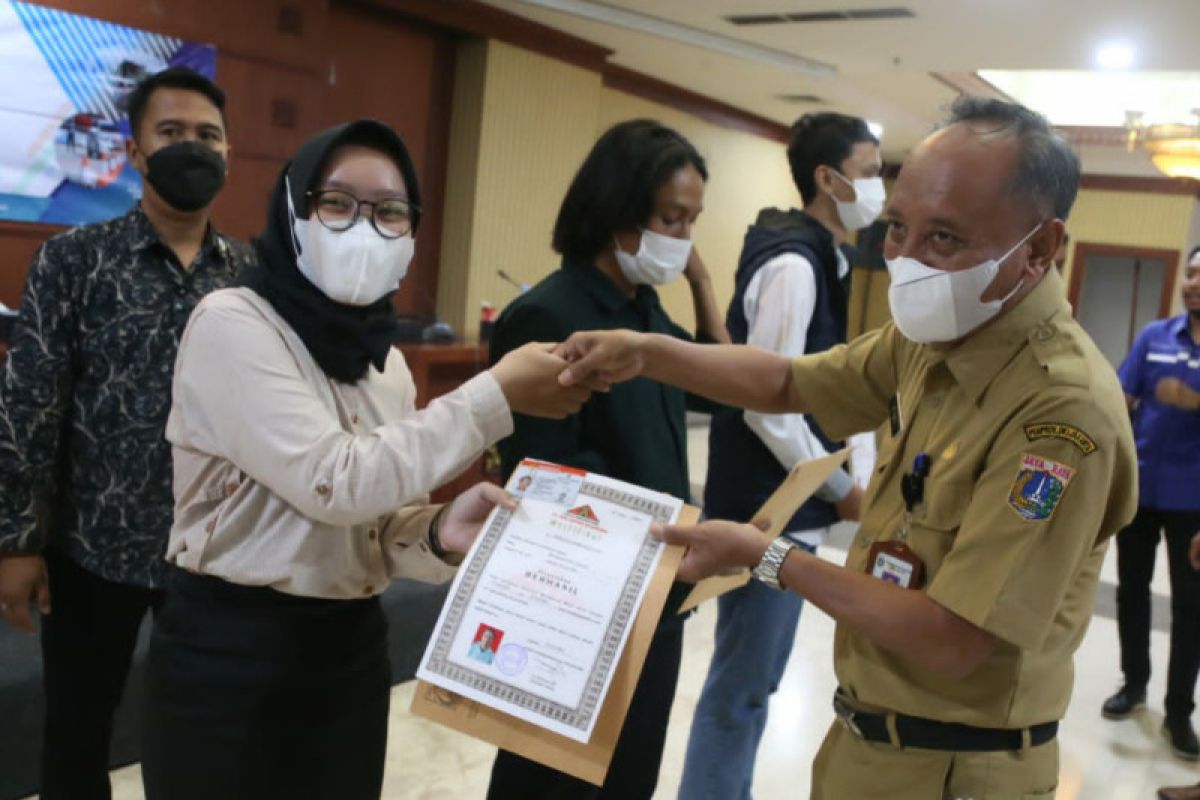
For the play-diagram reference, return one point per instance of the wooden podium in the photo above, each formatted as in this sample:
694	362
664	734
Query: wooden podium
440	368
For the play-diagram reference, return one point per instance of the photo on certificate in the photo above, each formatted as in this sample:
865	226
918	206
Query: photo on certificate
540	611
486	642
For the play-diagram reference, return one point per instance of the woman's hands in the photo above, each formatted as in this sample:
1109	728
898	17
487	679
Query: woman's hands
462	520
529	378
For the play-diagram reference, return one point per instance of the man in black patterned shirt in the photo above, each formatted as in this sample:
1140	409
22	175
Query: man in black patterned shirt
85	472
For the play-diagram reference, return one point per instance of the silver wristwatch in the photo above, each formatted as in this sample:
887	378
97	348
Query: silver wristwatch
768	568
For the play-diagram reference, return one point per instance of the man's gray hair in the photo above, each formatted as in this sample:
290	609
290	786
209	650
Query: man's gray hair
1047	168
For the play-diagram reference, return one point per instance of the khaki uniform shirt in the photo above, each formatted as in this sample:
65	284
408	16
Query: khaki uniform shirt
289	479
1033	468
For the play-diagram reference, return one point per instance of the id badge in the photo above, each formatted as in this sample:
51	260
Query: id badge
895	562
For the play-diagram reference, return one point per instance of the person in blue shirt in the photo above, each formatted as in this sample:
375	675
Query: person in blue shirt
1161	378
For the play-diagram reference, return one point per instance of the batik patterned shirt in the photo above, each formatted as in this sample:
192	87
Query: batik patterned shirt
86	390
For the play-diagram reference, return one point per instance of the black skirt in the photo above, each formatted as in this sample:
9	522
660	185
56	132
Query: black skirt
252	693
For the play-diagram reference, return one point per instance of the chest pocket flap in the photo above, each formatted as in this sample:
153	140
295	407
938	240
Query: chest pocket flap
945	504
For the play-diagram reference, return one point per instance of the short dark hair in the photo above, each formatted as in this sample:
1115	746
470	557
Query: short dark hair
825	139
171	78
1195	252
1047	168
615	187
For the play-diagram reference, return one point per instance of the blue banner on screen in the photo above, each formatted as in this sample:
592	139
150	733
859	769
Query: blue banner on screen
65	80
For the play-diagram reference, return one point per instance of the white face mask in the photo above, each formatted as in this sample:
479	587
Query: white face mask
659	260
356	266
869	196
935	305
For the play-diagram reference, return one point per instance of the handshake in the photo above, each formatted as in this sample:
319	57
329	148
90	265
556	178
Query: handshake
555	380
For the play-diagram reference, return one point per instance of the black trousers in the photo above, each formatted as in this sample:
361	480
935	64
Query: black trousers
87	646
1136	547
252	693
633	774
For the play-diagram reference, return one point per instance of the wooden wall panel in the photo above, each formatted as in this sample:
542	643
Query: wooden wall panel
1132	219
241	208
249	28
270	108
18	241
262	141
402	74
536	122
289	69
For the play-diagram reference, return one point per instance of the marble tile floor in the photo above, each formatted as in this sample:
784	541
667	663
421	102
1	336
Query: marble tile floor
1100	759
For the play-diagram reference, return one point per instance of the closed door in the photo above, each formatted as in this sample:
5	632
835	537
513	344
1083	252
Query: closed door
1117	291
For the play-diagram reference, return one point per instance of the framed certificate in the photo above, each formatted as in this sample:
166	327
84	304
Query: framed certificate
543	635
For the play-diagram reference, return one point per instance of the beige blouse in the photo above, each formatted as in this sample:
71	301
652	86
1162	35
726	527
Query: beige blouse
288	479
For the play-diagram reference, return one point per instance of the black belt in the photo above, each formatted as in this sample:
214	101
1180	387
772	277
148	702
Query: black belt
929	734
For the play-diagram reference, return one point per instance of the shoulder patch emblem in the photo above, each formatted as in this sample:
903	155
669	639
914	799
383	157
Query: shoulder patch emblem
1038	487
1060	430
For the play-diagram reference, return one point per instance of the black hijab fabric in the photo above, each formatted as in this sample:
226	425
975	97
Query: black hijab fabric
344	340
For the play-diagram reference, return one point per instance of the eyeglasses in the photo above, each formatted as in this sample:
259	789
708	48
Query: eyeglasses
339	211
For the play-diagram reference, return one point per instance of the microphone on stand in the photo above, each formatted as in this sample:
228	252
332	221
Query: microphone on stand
522	287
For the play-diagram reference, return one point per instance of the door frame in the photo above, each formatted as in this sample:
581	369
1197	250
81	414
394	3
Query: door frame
1085	249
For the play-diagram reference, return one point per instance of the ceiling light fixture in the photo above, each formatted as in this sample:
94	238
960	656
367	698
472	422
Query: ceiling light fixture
656	26
1115	56
876	129
1174	147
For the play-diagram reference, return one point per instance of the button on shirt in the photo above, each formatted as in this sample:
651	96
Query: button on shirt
277	485
1168	438
86	391
1032	470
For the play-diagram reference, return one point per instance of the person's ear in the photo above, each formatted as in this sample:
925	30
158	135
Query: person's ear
1044	244
823	179
133	152
629	241
830	183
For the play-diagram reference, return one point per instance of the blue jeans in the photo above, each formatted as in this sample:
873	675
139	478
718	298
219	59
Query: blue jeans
756	626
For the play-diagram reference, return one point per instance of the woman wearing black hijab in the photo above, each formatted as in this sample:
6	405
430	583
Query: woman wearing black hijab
301	479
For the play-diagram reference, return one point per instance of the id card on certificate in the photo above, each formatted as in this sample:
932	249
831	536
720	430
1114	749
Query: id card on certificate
540	610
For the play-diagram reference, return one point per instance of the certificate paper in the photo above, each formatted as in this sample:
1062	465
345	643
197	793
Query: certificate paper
540	610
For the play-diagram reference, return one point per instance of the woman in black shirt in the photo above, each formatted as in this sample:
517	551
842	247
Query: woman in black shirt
624	227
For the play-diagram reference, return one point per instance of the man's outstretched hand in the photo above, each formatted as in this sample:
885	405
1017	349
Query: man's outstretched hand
600	358
715	547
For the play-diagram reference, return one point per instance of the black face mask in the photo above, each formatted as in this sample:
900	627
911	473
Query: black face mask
187	175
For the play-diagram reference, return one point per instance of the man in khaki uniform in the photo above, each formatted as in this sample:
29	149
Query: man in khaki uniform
1006	462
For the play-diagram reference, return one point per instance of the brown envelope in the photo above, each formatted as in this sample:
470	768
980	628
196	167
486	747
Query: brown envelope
804	479
589	761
